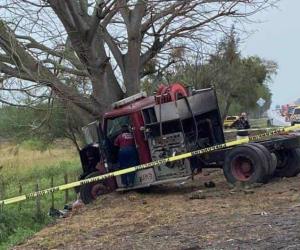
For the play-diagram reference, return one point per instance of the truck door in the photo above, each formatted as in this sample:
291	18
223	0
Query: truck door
95	149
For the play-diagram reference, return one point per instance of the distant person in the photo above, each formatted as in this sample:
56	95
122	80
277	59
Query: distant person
241	125
127	156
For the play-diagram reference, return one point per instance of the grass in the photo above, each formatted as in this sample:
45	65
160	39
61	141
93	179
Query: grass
23	161
259	123
167	218
24	165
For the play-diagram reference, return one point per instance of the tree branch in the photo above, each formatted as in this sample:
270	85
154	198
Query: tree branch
30	69
119	57
170	10
60	67
124	10
96	18
65	15
80	23
14	72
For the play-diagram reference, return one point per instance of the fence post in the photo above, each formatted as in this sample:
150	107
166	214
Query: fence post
2	192
75	178
67	190
52	194
38	204
20	192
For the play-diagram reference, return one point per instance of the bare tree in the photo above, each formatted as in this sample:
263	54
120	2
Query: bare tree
89	54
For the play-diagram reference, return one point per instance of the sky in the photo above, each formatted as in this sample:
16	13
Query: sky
277	37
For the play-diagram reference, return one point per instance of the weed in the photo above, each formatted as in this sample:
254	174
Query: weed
24	166
35	144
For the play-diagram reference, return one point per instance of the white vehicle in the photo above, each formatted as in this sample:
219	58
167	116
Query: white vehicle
295	117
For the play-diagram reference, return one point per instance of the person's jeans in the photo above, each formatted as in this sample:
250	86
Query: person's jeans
128	157
128	179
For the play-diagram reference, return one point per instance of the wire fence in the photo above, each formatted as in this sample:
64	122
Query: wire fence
39	204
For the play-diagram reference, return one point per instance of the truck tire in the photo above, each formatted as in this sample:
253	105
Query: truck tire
246	164
81	177
272	161
89	192
275	161
288	162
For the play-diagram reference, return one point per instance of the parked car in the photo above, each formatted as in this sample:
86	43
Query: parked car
229	121
295	117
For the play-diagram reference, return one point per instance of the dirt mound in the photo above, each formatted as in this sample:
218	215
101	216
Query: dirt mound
184	216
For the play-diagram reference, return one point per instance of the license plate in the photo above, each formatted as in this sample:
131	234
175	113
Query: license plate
146	176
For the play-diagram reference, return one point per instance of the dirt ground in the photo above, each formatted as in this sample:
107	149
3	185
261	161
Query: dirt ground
184	216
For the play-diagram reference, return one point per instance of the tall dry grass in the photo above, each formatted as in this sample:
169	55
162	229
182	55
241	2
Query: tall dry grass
22	161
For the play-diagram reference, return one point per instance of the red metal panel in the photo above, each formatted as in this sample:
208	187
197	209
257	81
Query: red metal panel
131	108
142	144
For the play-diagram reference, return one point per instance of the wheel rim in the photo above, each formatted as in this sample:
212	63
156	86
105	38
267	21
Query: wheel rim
242	168
97	190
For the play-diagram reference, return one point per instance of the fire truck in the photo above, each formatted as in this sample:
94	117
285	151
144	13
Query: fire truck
172	122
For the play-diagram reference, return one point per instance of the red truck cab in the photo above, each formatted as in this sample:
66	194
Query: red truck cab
129	112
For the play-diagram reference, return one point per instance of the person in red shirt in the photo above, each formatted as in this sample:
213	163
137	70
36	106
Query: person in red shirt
127	155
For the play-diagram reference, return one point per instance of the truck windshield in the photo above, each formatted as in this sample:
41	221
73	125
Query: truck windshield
296	111
114	125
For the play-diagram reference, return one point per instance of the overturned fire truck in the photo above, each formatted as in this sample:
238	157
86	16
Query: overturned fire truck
172	122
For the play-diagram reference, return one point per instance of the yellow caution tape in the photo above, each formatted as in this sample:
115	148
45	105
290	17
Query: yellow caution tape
146	165
249	129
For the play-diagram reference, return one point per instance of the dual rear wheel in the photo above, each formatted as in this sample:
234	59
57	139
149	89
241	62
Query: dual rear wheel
253	163
288	162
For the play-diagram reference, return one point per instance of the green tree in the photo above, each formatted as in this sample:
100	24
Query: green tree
239	81
41	123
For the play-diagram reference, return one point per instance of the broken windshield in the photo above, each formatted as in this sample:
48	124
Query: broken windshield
114	125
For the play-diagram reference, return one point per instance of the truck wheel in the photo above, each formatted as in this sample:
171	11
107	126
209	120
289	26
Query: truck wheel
245	164
80	177
89	192
275	161
272	161
288	162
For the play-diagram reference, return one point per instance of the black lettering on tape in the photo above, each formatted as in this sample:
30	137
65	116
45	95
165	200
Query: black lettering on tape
152	164
42	192
98	178
208	150
257	137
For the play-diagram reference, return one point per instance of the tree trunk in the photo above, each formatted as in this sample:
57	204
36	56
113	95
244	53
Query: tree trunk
133	20
227	106
132	67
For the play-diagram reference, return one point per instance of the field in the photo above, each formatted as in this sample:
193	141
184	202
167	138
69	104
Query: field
183	216
22	168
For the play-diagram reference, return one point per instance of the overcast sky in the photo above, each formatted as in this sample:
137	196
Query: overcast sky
278	39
